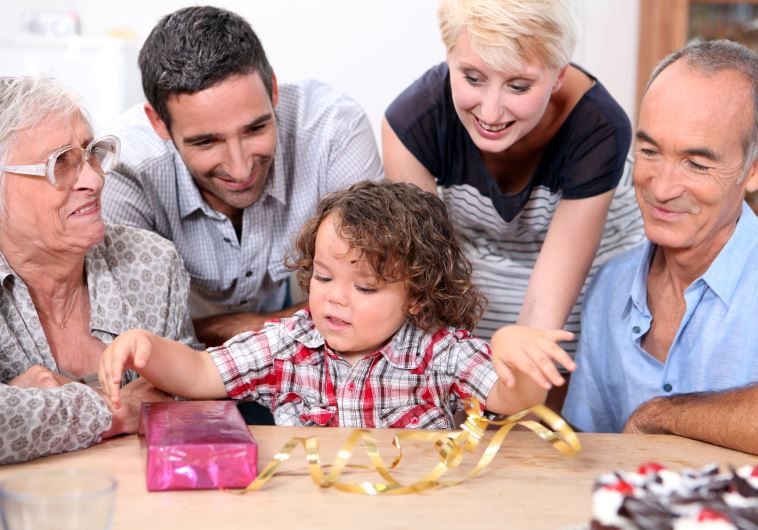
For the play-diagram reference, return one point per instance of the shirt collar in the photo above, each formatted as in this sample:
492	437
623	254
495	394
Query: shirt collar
190	199
5	271
638	293
723	276
405	350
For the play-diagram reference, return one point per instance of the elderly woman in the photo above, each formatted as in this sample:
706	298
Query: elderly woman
528	152
69	284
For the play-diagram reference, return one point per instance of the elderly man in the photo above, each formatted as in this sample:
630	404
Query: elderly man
228	164
669	342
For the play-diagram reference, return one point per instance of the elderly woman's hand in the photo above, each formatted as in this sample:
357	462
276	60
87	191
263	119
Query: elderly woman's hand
125	419
129	350
39	377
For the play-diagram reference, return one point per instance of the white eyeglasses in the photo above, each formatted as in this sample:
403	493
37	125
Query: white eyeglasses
64	166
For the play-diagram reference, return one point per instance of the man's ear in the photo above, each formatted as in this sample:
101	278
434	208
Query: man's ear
751	179
274	90
158	125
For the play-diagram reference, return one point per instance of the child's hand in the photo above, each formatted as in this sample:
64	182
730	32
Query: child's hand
533	352
129	350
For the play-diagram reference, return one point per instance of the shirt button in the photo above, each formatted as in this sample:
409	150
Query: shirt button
414	420
243	302
351	386
248	274
667	387
227	240
636	329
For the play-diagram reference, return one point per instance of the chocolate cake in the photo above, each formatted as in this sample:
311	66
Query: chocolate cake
655	498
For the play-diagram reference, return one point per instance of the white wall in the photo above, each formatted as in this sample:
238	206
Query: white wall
370	50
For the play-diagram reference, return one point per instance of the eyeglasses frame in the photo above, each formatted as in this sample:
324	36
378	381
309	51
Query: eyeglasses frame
48	168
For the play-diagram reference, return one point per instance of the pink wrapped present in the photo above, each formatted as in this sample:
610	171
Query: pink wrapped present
197	445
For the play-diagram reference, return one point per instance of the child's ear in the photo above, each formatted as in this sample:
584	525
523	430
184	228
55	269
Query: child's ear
415	308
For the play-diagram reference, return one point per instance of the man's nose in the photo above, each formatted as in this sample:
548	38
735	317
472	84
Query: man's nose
238	165
666	184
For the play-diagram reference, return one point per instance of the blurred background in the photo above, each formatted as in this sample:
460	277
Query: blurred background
369	50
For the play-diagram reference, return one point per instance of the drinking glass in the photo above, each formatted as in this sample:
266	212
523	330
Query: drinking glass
69	499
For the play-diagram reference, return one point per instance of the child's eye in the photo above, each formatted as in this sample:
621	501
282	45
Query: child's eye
366	290
321	278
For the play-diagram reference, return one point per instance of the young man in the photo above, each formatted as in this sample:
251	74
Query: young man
669	342
228	165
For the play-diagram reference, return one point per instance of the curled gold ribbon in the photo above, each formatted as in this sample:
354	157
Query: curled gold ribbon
450	447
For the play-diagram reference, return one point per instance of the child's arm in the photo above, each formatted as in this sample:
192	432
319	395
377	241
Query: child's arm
170	366
524	362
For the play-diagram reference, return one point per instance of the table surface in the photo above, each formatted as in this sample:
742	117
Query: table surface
529	485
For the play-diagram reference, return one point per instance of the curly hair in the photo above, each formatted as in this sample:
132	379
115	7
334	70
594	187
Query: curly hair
405	235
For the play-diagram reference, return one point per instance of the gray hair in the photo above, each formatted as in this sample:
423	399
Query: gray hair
712	57
25	102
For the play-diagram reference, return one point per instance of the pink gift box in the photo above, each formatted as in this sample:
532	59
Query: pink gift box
197	445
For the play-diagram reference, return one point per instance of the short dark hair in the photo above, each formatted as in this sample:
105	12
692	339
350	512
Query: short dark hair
195	48
405	235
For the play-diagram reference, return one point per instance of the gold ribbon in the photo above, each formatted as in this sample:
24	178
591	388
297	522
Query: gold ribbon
450	446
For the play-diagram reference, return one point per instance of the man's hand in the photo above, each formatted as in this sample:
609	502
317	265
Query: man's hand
39	377
126	417
215	330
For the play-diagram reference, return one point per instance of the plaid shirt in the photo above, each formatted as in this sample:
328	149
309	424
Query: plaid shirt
417	379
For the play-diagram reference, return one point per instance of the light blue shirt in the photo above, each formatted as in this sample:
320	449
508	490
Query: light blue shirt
715	347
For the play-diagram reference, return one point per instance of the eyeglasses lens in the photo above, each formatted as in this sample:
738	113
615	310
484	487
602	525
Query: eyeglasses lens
103	156
68	165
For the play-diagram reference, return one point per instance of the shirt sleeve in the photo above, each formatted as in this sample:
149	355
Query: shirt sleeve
246	365
599	146
38	422
474	373
125	201
420	119
586	406
178	321
353	155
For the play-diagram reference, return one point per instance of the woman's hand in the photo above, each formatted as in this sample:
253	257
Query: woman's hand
533	352
129	350
38	376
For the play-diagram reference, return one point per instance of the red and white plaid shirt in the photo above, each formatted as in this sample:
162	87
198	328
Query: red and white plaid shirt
416	380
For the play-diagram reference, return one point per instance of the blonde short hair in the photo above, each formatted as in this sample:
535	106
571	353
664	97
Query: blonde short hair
505	33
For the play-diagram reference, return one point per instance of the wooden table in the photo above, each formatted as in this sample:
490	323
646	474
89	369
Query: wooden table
528	486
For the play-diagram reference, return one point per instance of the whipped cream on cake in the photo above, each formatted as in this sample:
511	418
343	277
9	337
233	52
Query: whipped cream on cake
656	498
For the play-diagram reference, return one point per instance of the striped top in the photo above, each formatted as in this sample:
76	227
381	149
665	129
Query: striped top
503	233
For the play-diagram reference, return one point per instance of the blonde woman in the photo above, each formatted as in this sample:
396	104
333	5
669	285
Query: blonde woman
529	153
